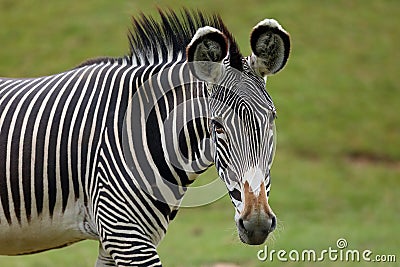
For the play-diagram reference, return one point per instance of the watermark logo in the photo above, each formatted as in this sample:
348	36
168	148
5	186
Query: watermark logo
340	252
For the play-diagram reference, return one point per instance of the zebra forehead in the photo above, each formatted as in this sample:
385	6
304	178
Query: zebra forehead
242	102
152	40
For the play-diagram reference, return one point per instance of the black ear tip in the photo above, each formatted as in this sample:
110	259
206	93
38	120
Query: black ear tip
270	44
265	29
216	37
206	51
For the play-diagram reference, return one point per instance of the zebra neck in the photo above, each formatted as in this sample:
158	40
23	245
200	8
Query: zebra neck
166	138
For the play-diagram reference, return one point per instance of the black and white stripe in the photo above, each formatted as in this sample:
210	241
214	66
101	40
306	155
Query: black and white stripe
106	150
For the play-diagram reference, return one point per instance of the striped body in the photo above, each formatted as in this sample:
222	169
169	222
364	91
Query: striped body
65	127
106	151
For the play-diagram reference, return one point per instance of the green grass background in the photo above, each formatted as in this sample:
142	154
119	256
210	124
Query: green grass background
337	167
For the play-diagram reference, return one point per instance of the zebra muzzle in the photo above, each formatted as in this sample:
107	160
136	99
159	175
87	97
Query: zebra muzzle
256	220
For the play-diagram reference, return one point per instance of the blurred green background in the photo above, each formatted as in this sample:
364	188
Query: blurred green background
337	168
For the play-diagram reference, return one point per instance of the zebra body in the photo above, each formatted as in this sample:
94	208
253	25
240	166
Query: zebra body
87	154
75	112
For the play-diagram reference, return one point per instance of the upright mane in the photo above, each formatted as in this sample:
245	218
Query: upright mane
154	41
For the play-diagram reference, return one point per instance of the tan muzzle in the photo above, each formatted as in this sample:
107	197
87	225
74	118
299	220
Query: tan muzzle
256	220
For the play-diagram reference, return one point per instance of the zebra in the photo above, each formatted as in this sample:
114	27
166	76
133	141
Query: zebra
106	150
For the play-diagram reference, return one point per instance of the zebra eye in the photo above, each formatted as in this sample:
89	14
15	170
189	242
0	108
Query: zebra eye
219	129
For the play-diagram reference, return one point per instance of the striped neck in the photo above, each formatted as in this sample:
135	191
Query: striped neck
166	140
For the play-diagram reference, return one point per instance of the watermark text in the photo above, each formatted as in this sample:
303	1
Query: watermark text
338	253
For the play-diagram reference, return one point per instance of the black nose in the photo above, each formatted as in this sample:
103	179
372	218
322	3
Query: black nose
273	224
269	224
255	230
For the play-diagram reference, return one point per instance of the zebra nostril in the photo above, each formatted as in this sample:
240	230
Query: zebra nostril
273	223
241	224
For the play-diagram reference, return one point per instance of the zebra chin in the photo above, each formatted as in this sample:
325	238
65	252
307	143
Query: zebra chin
256	221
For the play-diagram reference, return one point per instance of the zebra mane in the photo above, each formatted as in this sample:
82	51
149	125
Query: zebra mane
153	41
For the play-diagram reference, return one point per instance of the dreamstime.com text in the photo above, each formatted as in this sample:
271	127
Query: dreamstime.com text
338	253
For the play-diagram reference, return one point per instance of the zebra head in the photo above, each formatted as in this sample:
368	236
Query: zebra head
241	118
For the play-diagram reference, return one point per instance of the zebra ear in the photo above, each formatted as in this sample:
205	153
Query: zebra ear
205	52
270	45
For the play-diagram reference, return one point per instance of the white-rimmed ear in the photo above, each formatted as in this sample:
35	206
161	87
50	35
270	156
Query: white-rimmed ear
270	45
205	52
